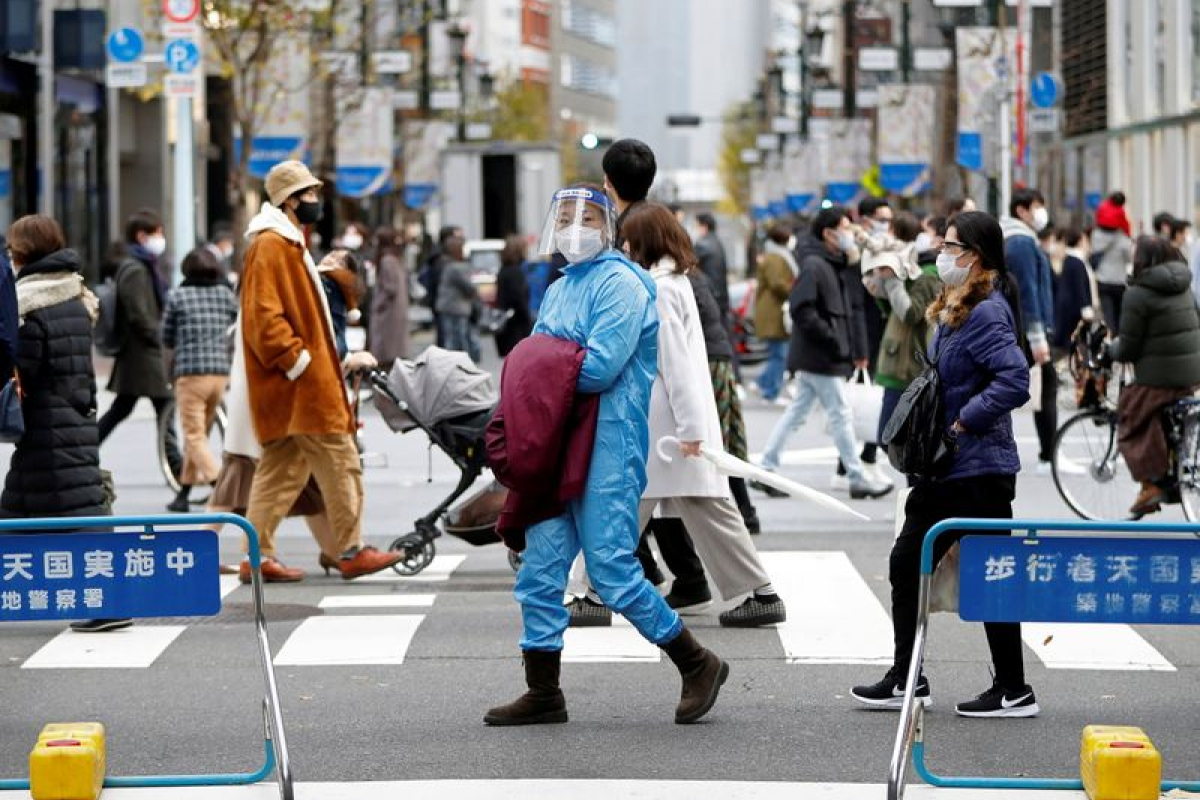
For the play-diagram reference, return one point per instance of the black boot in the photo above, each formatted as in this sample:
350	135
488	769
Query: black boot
703	673
180	504
543	703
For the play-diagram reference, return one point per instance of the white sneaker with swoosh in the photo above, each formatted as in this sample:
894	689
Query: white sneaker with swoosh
997	702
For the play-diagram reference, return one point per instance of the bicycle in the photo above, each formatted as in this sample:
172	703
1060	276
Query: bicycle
170	438
1089	472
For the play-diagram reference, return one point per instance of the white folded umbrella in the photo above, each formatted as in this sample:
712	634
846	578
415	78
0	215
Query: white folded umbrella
734	466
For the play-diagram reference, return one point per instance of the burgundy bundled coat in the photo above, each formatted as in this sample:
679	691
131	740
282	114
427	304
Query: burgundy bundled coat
539	442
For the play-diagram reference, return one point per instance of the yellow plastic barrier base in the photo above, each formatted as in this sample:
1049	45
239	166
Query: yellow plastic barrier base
67	763
1119	763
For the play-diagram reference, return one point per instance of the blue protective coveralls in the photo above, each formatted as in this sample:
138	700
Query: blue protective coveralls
606	305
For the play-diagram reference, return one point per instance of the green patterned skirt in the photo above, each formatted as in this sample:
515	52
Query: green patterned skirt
729	408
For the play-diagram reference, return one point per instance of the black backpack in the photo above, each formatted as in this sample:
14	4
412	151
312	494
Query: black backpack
915	434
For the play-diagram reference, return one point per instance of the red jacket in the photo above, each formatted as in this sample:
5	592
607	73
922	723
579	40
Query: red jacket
540	439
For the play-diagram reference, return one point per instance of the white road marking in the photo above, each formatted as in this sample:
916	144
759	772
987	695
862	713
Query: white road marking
378	601
619	643
350	640
131	648
229	583
1100	646
861	630
439	569
575	789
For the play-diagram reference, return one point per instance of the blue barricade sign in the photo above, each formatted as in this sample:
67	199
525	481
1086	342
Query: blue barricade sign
1061	579
65	576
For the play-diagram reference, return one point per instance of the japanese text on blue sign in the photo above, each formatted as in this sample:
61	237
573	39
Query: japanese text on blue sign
1062	579
61	576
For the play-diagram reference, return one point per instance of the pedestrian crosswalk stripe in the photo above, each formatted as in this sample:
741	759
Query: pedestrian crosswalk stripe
229	584
131	648
440	569
859	633
577	789
1092	646
378	601
350	640
619	643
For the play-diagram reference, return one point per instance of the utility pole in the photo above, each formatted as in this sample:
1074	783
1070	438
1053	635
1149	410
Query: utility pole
849	59
48	104
1005	115
426	79
906	53
802	66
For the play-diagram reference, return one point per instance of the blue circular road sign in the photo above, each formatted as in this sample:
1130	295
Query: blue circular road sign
1043	90
182	56
125	45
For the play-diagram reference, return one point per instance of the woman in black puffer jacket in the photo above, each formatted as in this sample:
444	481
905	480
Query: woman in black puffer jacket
55	469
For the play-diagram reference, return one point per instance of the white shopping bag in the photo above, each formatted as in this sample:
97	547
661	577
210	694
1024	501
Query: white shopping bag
866	401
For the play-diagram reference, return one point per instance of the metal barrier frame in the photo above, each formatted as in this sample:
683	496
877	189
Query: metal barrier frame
275	743
910	742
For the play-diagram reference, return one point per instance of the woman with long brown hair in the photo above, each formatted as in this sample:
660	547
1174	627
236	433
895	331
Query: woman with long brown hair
682	405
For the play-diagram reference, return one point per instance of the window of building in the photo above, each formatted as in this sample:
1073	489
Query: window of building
589	23
584	75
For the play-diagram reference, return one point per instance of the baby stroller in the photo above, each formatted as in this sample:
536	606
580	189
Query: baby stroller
451	400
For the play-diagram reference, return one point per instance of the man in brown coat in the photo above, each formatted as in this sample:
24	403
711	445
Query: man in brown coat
297	396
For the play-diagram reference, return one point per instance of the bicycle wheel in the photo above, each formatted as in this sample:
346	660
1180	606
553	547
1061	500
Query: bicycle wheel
1187	456
1089	472
170	431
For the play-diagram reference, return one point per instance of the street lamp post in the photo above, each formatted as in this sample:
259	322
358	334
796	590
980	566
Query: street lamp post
458	38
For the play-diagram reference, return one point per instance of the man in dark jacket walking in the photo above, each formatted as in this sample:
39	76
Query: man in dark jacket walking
829	339
139	370
430	276
1031	268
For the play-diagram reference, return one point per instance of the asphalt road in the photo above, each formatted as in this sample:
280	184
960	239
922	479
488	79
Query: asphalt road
196	706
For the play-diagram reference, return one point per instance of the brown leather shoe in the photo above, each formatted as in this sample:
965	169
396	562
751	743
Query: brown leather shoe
1148	500
366	561
272	572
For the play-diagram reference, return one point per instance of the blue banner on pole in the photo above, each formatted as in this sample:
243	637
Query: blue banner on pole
841	193
905	179
761	213
65	576
363	181
418	195
970	150
1075	579
267	151
798	203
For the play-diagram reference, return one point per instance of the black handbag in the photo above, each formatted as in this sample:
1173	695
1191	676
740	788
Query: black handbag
914	436
12	420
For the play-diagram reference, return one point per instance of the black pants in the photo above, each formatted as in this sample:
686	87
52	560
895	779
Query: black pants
1046	420
985	496
122	407
1111	297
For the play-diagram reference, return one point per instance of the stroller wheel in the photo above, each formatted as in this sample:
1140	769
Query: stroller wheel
515	561
418	551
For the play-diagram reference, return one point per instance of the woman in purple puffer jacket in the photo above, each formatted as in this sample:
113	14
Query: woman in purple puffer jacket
984	377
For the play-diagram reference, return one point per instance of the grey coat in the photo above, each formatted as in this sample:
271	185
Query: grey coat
139	369
389	310
456	294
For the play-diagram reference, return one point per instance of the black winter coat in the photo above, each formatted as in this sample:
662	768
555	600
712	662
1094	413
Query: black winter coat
828	330
55	469
711	255
1160	327
512	292
716	337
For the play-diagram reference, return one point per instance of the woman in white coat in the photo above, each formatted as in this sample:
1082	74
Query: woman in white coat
682	405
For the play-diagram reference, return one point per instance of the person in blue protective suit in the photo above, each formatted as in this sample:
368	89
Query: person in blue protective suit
606	305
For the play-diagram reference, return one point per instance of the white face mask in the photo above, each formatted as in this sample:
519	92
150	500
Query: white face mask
949	271
880	225
1041	218
155	245
579	243
351	240
845	241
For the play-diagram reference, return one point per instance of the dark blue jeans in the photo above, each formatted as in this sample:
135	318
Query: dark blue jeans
770	382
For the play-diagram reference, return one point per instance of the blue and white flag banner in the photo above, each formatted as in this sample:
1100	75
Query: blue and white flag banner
282	129
848	157
983	59
365	145
906	136
801	186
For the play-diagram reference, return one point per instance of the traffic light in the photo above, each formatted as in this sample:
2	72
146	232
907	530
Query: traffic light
593	141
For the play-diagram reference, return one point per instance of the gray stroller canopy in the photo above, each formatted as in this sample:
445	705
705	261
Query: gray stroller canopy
437	385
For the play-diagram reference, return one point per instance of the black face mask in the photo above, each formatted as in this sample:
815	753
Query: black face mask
308	213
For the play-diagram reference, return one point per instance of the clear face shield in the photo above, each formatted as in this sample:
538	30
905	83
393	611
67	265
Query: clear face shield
581	225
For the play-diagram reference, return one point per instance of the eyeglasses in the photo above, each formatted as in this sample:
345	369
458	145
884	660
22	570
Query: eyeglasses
957	245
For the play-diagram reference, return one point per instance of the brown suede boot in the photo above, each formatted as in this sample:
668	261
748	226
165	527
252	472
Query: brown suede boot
703	673
543	703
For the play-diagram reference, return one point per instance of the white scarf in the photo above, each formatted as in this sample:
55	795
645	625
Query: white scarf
51	289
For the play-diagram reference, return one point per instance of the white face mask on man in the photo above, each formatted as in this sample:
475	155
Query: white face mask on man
155	245
1041	218
579	243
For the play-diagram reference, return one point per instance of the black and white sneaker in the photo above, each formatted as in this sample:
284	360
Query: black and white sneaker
755	612
587	613
889	692
1000	702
